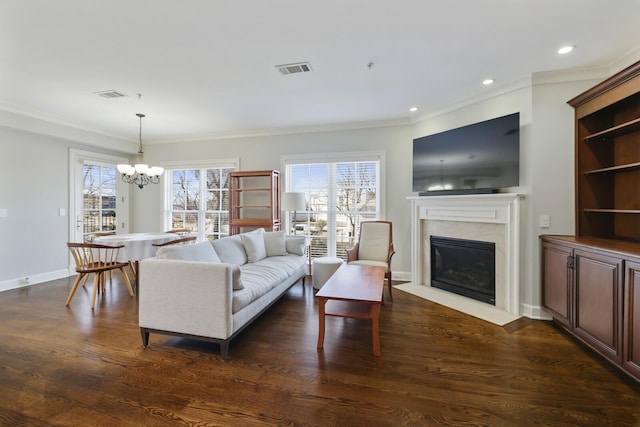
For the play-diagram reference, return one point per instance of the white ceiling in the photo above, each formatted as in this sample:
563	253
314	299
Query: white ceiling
206	68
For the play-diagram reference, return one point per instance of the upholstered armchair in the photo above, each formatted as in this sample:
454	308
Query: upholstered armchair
374	247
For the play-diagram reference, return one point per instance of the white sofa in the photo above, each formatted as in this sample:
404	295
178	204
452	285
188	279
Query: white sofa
213	290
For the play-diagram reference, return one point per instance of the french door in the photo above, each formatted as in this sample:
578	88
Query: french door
99	200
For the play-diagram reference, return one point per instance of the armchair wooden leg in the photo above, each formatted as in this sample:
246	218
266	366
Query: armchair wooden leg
388	277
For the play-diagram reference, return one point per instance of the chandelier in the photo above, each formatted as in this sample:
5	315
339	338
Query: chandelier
140	174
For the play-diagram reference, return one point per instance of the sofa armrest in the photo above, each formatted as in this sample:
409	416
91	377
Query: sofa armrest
186	297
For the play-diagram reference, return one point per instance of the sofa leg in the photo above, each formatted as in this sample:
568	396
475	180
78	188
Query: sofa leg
224	350
145	337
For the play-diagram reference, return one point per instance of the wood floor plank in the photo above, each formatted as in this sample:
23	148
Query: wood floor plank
71	366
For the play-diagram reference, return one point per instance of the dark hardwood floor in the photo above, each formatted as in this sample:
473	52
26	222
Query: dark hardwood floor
69	366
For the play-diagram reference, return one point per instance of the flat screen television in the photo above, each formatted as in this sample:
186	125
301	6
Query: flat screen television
482	157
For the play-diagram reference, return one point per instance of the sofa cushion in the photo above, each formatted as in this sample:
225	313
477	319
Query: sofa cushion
230	250
296	244
274	243
253	242
261	277
202	251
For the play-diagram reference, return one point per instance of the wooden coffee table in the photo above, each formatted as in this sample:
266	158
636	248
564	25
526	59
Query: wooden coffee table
353	291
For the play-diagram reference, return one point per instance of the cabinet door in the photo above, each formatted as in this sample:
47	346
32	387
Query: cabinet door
556	281
631	338
598	299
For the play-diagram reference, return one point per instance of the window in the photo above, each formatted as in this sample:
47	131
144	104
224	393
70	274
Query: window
98	198
339	195
198	199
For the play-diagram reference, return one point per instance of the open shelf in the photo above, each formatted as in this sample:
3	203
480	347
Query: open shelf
607	147
622	129
614	169
614	211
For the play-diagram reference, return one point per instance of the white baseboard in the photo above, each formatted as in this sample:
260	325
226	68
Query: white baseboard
404	276
23	282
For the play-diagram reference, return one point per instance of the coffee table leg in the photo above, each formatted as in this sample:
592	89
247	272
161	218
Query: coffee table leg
321	303
375	315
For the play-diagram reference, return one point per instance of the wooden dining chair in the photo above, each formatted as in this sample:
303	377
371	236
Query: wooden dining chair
180	241
96	259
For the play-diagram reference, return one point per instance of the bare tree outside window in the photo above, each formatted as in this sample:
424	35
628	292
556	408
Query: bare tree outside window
98	198
200	196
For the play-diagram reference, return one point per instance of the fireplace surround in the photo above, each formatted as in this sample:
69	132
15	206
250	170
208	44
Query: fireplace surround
493	218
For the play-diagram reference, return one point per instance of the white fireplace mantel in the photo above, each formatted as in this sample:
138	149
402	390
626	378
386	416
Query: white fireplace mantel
473	212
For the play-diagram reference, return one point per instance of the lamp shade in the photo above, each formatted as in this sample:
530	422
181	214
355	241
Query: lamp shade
293	202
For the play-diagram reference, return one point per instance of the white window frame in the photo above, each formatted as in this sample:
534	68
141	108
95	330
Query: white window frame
193	164
354	156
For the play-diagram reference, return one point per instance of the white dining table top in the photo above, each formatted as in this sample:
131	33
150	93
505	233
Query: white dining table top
137	246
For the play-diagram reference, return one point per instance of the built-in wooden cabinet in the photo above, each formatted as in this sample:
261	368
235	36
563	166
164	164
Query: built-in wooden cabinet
254	200
631	343
557	280
607	151
597	300
591	281
589	287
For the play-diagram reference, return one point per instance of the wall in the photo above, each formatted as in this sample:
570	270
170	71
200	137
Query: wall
552	178
32	188
34	176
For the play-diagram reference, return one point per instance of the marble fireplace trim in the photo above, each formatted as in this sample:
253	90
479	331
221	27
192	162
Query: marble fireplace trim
487	217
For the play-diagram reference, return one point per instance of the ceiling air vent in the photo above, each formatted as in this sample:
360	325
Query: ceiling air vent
300	67
110	94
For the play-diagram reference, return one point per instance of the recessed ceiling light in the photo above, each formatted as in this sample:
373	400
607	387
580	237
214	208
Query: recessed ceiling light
413	109
565	49
487	82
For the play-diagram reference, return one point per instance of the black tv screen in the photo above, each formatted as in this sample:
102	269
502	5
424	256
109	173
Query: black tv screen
478	158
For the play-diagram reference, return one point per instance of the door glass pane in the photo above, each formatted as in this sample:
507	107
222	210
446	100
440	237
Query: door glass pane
99	199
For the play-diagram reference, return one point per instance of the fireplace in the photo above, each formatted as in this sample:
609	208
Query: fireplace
465	267
488	218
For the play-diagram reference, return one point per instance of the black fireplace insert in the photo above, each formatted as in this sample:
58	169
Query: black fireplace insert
465	267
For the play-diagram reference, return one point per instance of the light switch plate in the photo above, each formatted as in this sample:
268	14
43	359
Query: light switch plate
3	213
544	221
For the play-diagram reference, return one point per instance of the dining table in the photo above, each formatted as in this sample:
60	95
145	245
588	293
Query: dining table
136	247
